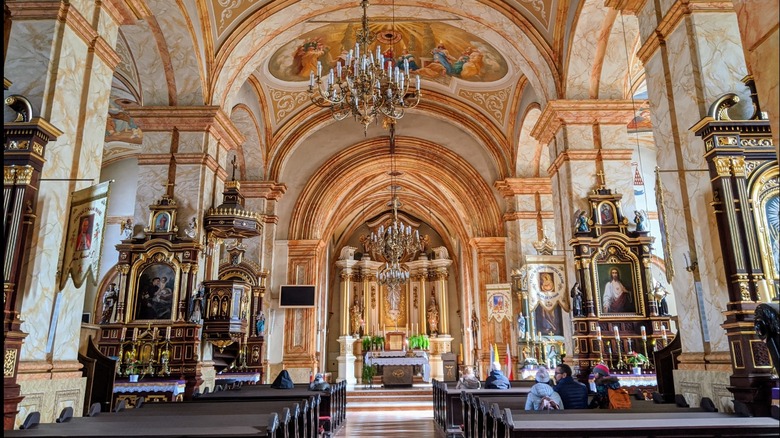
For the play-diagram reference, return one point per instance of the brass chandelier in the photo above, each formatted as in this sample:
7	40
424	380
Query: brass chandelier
367	86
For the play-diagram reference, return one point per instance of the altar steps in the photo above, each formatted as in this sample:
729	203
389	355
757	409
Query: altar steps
368	399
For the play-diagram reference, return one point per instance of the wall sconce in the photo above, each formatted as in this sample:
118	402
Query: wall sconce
691	264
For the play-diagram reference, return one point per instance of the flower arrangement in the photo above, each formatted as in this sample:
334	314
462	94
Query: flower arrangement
635	359
366	343
378	342
132	366
421	342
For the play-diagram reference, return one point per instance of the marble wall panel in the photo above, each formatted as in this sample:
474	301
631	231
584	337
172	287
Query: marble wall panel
184	62
766	71
108	28
152	180
191	180
647	21
528	235
50	396
513	245
254	245
192	142
157	142
525	202
619	177
28	59
583	180
695	384
253	147
586	37
665	5
546	202
578	137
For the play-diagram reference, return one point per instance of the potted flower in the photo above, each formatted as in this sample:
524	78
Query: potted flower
132	367
366	343
636	361
378	342
419	342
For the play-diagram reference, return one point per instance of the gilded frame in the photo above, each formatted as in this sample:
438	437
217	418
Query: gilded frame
616	256
155	264
765	199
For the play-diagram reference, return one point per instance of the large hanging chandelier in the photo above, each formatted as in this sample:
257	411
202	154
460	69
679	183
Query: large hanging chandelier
367	85
393	244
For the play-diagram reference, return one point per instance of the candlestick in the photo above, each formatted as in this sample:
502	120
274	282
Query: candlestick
168	333
124	332
644	334
598	332
539	334
461	353
617	332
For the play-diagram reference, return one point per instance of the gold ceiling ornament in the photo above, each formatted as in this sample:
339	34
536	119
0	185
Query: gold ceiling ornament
368	85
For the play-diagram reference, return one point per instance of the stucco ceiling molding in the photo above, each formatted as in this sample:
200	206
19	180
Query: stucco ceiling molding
125	11
210	119
581	112
523	186
494	102
285	103
198	159
345	174
631	7
519	215
154	159
270	190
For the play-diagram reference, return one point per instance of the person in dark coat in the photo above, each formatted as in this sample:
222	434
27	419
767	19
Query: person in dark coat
604	382
283	381
573	393
496	379
319	383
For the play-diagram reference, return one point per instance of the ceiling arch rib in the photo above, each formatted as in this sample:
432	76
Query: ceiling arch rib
264	31
252	149
321	199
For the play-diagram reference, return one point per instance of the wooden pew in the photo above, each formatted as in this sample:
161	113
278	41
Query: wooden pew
450	407
600	423
121	424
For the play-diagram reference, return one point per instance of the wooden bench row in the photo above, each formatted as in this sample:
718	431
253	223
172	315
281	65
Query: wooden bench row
332	407
273	419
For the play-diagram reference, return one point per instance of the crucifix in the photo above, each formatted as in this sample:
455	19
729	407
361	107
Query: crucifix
233	162
169	189
600	174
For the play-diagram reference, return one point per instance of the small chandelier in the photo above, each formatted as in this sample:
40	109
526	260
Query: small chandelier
367	86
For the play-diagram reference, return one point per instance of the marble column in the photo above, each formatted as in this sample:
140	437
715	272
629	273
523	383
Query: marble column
490	258
586	138
49	44
692	54
528	217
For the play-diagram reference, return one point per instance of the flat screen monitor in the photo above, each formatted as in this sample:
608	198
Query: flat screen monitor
296	296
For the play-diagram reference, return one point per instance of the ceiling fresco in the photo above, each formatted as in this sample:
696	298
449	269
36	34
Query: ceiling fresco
436	51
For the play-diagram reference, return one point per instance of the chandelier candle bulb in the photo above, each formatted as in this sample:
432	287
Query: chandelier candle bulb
319	68
311	79
378	52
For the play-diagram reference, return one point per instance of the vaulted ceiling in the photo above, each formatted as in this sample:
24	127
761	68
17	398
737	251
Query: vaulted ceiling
470	130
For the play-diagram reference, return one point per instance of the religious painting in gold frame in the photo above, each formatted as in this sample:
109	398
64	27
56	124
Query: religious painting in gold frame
155	280
765	198
617	282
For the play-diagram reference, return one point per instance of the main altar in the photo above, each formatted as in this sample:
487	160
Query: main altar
399	367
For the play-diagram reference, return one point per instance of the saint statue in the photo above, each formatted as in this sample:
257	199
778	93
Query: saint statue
109	301
433	316
520	326
260	324
196	314
356	316
576	296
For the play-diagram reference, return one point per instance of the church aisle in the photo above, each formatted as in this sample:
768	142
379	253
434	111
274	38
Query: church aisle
417	424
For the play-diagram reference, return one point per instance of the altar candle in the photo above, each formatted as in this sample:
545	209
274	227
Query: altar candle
598	332
617	333
644	334
539	336
168	333
461	352
124	332
663	332
135	333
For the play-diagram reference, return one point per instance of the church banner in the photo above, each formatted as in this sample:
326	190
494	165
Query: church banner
499	305
84	238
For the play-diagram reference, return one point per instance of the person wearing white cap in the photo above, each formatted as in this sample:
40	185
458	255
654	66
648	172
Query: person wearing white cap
496	379
542	396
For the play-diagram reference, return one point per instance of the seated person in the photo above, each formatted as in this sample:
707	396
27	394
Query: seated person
573	393
468	380
541	391
319	383
604	382
496	379
283	381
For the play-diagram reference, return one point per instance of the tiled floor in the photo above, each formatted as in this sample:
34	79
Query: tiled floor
390	424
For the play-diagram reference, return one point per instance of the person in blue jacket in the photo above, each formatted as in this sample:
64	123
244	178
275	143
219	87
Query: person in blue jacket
496	379
573	393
